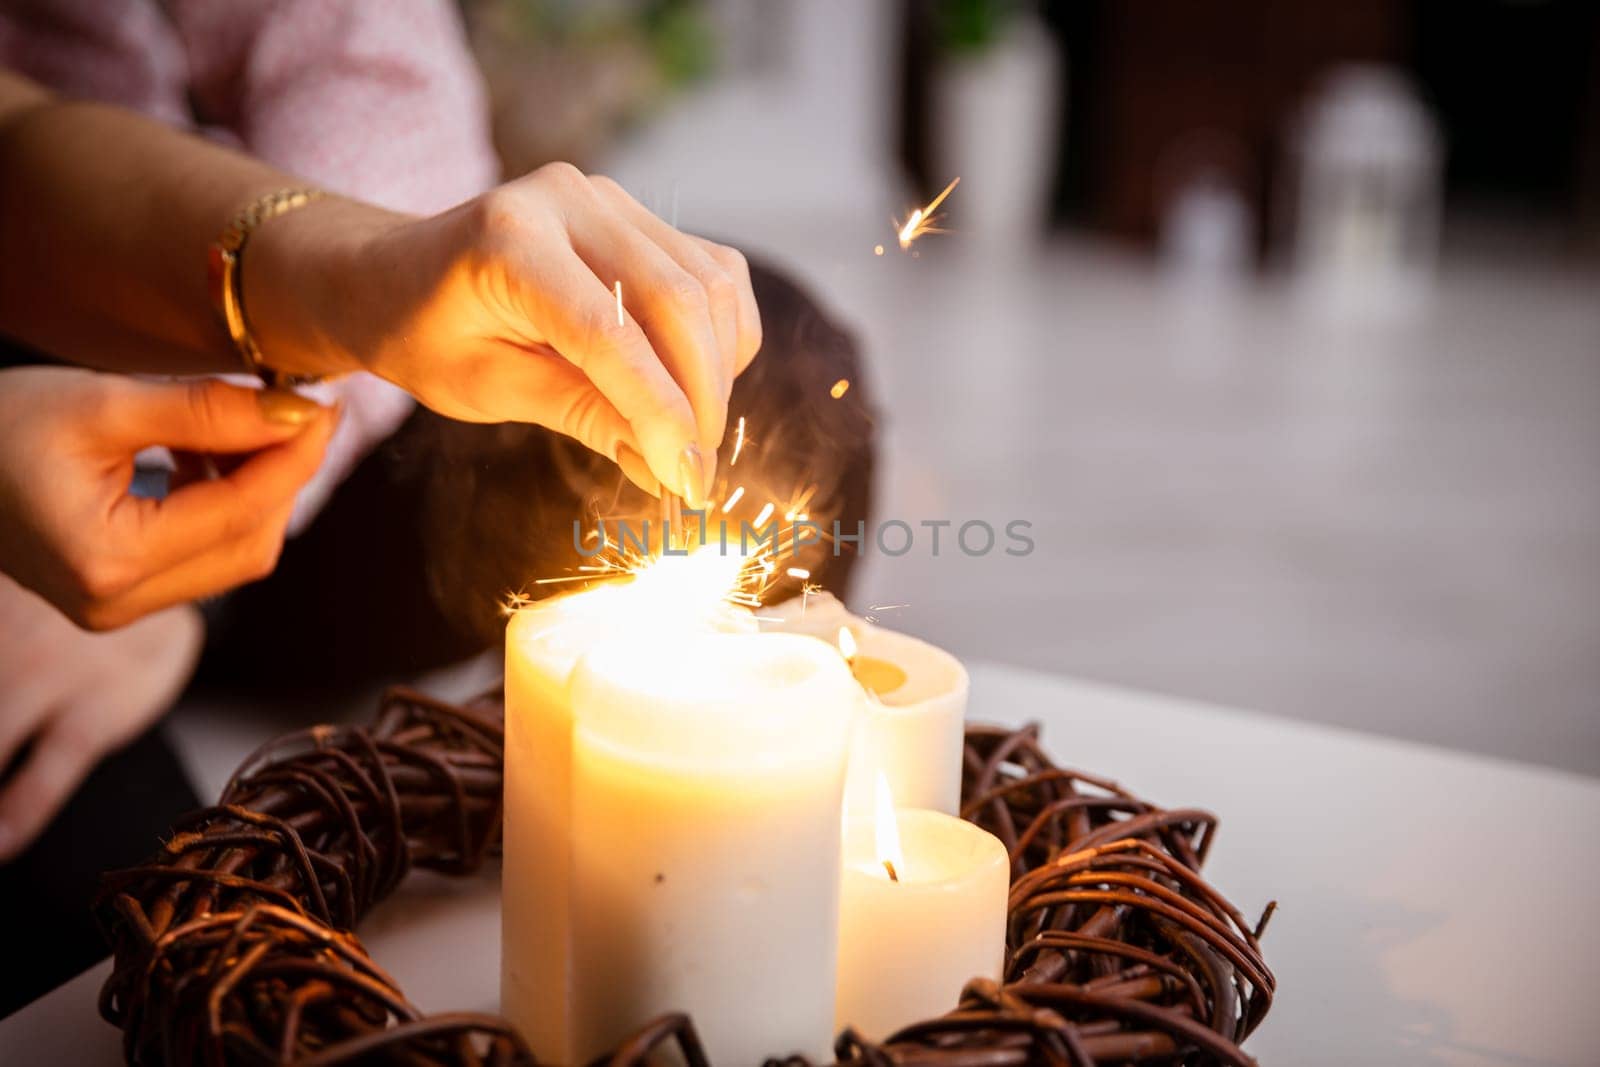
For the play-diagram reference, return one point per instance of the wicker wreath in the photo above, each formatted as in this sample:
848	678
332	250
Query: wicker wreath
234	943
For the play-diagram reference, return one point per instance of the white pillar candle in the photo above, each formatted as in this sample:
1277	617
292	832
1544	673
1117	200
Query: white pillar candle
543	643
706	785
908	946
912	730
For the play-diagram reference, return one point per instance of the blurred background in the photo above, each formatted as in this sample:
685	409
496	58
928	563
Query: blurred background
1279	322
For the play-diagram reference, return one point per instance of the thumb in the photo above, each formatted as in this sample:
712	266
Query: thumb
206	415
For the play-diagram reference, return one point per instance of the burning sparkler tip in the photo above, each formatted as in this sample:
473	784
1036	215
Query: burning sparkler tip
923	220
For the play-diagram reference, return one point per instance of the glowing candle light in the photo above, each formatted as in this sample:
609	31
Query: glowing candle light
706	781
886	831
912	729
922	910
544	642
877	676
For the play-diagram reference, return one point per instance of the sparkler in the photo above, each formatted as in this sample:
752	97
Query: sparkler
700	574
797	510
923	220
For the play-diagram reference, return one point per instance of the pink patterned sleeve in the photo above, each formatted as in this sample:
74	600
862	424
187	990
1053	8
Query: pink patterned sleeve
376	100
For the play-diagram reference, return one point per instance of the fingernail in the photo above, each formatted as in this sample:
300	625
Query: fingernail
692	476
637	470
287	408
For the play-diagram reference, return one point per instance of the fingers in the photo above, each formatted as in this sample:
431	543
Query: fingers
747	313
721	286
203	538
203	514
78	696
61	756
203	415
672	306
23	707
579	315
637	470
511	379
246	558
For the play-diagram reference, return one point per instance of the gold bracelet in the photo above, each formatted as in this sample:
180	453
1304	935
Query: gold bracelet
227	285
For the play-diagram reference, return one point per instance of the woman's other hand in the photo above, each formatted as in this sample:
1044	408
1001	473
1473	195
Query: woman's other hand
505	309
77	536
72	697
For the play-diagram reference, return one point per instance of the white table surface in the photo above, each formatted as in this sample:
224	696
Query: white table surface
1431	904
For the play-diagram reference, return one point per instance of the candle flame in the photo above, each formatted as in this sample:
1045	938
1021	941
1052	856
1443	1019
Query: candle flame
886	829
923	220
847	644
840	387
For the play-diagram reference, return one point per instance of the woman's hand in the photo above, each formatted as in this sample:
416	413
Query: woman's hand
505	309
72	697
75	534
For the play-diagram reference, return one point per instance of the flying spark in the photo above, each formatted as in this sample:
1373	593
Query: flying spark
923	220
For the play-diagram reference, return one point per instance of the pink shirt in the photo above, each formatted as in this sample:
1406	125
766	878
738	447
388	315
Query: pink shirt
376	99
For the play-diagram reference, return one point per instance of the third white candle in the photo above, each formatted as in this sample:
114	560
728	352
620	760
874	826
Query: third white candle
910	940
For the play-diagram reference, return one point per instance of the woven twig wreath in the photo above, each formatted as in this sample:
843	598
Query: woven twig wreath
234	943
